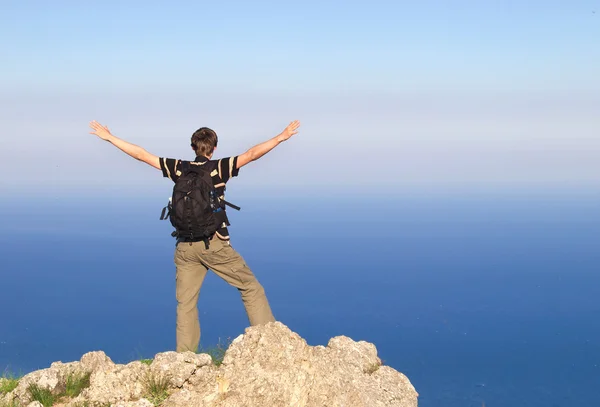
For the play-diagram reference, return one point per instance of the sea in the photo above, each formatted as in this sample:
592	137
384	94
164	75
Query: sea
480	297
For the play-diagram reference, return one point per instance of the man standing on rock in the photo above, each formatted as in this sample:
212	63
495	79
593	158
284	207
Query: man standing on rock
201	244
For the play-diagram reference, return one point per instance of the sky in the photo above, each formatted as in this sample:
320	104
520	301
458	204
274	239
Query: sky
495	94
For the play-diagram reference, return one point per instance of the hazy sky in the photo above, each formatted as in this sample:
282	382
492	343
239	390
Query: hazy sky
437	93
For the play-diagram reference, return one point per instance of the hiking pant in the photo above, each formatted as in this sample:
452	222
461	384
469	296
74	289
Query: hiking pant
192	262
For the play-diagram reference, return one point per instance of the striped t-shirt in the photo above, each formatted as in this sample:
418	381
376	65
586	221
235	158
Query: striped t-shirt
222	171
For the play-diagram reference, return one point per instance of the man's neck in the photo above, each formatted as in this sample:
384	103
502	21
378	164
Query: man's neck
201	158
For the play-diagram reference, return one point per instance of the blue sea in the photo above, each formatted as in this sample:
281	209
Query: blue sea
479	297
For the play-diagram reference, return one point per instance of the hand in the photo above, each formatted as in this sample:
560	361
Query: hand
101	131
290	130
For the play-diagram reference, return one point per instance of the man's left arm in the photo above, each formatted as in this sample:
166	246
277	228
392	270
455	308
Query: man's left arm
261	149
132	150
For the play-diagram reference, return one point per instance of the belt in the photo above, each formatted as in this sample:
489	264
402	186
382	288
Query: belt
196	239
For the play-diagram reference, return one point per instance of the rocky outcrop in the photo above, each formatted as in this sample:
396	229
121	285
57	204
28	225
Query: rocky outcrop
268	365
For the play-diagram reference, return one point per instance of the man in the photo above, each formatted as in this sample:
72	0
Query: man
194	258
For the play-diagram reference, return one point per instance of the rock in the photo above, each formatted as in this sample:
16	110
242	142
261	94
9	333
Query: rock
349	373
92	361
272	366
115	384
360	355
269	365
35	404
65	369
55	377
138	403
50	379
178	367
185	398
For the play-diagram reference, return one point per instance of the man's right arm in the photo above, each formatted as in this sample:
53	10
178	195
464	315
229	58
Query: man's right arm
261	149
132	150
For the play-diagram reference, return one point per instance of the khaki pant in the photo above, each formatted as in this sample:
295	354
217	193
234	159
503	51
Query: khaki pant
193	261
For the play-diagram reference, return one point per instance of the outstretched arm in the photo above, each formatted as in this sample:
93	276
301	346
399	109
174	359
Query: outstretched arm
134	151
263	148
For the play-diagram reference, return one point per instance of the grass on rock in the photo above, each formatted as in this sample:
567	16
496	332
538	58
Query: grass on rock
157	388
217	353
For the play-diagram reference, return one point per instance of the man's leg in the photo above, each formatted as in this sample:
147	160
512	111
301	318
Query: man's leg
228	264
189	278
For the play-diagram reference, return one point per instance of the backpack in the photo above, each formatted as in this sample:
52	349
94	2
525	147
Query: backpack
195	210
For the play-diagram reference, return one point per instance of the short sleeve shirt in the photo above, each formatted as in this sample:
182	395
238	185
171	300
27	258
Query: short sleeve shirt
222	170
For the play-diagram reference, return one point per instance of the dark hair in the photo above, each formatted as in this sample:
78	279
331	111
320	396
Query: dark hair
204	141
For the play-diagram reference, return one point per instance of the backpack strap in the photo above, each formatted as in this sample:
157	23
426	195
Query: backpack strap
166	211
237	208
185	166
164	214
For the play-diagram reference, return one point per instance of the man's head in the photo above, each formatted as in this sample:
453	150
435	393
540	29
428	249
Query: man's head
204	141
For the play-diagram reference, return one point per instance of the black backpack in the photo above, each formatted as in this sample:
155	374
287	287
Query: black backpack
195	210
